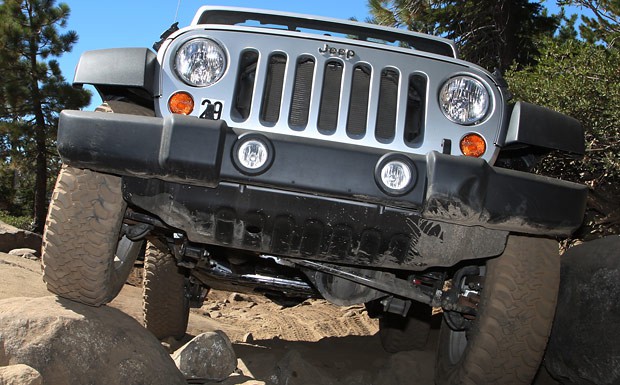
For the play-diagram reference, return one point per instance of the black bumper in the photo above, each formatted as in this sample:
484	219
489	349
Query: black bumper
195	152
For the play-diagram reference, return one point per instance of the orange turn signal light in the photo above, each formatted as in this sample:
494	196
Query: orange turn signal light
473	145
181	103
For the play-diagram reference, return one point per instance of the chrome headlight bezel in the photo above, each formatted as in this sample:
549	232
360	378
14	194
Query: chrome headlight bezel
464	100
200	62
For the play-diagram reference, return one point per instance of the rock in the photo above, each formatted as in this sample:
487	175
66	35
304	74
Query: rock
14	238
236	297
294	370
236	380
136	276
584	346
207	356
248	338
359	377
19	375
397	370
70	343
25	253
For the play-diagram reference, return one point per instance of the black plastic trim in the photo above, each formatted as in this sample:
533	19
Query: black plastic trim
460	190
177	148
541	127
299	225
118	67
468	191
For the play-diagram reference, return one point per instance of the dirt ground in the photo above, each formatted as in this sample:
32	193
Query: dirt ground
339	342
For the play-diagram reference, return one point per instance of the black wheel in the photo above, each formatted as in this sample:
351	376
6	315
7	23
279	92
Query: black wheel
506	341
85	259
399	334
165	303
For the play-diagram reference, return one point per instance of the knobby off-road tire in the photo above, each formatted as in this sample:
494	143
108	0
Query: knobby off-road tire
83	259
165	305
507	340
400	334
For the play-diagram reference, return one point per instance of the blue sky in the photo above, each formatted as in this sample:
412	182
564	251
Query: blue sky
138	23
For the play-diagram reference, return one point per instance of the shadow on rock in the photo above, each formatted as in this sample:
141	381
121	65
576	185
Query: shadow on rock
584	347
351	360
71	343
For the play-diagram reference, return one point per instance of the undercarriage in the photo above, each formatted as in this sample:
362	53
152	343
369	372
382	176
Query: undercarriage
290	281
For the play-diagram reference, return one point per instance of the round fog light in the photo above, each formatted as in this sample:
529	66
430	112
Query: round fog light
253	154
396	174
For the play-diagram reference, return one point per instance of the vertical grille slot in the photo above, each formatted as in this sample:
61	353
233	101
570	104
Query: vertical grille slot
302	93
358	106
388	99
330	98
416	102
272	96
244	89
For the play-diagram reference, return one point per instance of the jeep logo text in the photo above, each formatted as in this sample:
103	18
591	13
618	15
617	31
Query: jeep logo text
333	51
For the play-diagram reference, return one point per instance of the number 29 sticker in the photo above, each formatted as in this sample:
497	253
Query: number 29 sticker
211	109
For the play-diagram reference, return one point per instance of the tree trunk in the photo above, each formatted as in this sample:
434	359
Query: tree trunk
40	187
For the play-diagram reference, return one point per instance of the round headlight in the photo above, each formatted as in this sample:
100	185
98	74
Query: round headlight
464	100
200	62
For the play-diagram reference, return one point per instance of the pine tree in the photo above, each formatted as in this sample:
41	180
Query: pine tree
493	34
604	26
33	90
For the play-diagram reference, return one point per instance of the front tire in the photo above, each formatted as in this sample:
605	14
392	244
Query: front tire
507	340
84	257
165	304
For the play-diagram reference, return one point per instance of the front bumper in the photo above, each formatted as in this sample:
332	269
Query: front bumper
195	152
317	200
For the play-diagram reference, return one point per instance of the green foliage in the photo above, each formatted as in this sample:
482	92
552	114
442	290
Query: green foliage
21	222
604	26
493	34
32	93
581	80
414	15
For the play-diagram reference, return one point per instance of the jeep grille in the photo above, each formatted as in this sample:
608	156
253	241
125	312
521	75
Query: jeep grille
354	90
288	83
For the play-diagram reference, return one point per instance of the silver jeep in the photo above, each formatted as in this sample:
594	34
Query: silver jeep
305	157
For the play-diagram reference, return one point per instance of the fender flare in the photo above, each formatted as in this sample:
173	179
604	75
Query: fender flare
541	127
124	68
